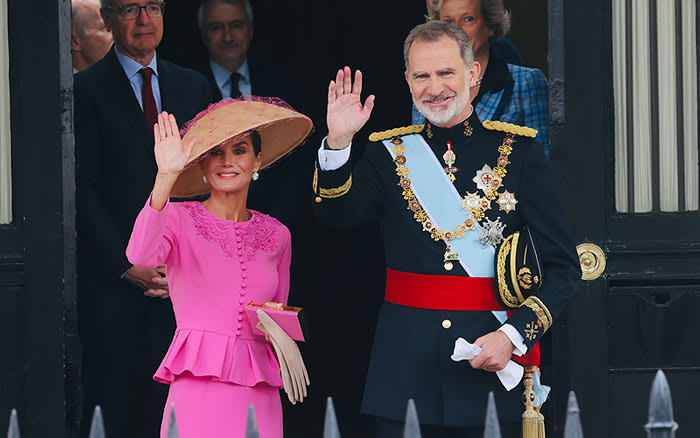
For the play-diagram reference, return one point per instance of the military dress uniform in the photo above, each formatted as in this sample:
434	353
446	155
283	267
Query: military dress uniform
418	324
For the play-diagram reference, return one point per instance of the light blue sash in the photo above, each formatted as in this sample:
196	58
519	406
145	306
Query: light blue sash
440	200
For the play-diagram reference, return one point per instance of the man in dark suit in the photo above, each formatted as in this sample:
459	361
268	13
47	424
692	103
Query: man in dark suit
126	320
226	28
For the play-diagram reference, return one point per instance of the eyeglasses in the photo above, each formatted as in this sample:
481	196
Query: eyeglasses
132	11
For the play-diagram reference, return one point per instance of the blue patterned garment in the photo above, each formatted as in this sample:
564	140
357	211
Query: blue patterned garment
528	104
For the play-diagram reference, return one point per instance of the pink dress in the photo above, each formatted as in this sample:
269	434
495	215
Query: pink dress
215	365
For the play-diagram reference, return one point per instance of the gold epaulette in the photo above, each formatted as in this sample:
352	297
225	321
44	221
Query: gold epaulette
510	128
396	132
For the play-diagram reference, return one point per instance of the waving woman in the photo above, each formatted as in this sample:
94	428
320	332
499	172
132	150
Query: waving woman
220	256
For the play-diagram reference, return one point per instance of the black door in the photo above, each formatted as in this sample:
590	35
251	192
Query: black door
625	92
37	243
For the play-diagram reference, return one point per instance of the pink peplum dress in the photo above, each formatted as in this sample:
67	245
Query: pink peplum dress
215	365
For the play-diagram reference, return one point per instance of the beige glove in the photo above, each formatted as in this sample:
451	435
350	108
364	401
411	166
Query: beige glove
292	369
284	370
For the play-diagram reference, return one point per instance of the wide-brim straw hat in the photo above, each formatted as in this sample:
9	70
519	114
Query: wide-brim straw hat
281	130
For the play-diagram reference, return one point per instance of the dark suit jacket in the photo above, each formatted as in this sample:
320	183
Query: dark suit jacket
266	80
505	49
115	165
124	334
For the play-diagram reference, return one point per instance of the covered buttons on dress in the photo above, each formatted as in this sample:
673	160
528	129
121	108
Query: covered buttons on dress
244	276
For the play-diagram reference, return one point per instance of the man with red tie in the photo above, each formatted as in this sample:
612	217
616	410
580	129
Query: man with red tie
125	322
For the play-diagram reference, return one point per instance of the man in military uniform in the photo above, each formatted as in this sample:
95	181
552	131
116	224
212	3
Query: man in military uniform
446	193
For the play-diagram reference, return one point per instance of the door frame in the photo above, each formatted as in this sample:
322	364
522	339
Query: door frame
37	250
583	151
581	113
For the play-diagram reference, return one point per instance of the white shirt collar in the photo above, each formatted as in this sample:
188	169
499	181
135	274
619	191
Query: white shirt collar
222	75
132	67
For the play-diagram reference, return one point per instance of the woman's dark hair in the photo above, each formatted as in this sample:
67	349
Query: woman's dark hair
256	140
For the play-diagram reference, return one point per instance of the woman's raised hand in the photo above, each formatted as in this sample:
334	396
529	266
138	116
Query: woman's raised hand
171	153
346	113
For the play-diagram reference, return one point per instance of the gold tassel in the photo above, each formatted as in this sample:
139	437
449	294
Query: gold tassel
530	415
540	423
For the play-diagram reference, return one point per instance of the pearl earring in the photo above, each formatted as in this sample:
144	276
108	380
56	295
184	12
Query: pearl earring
204	178
256	176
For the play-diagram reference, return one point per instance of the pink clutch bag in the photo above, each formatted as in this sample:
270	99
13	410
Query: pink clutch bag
290	319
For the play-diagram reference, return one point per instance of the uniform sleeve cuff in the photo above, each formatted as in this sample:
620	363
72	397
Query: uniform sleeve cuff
515	338
332	159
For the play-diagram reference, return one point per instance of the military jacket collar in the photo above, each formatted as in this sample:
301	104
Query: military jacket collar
456	134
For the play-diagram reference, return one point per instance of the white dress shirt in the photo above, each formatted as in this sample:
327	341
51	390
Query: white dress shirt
132	68
222	77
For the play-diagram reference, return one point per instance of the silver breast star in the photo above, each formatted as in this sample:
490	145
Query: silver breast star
491	232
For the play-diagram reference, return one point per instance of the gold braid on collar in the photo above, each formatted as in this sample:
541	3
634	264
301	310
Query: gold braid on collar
510	128
396	132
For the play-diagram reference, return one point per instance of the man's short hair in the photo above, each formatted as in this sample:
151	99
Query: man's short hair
433	31
77	11
108	4
200	12
493	12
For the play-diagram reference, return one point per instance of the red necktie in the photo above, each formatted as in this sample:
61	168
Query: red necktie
149	102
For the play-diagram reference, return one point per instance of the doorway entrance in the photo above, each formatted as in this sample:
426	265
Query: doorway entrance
625	148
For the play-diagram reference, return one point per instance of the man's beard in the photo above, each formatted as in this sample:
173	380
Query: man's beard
453	108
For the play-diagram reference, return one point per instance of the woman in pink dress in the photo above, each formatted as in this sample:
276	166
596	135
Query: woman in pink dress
220	256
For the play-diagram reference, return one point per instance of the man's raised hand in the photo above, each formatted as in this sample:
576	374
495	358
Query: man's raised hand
346	113
171	154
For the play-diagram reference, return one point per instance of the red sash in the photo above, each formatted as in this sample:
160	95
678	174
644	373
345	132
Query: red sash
449	292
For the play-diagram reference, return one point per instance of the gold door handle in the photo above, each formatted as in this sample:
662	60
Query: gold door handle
592	259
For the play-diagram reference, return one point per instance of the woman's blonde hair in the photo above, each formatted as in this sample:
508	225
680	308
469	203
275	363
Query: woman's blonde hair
495	15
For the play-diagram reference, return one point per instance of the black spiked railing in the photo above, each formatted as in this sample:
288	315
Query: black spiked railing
492	429
97	427
330	424
660	423
411	428
572	427
172	424
251	429
13	430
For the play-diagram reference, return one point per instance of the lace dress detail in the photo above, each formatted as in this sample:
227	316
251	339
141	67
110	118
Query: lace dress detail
258	234
261	236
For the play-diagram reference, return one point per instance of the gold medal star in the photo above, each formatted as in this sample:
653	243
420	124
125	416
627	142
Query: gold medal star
470	201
